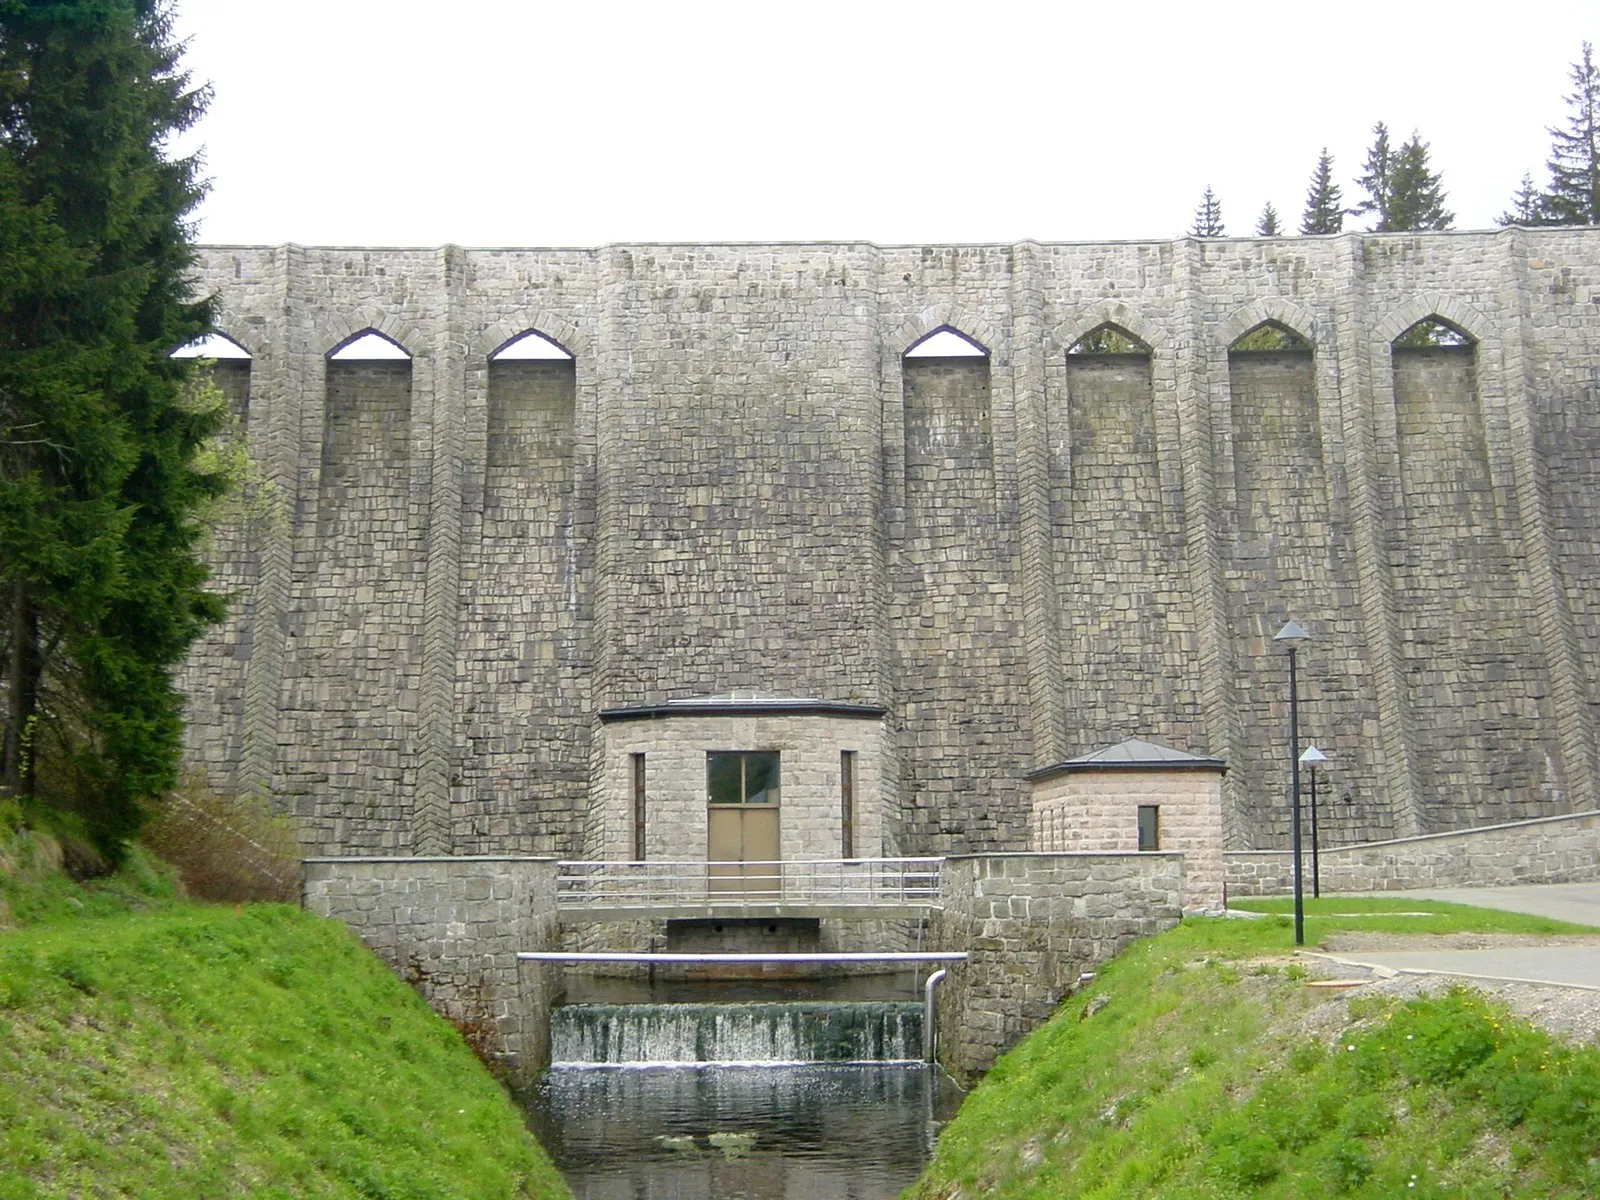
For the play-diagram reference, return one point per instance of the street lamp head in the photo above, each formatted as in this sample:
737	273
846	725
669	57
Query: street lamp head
1291	635
1312	757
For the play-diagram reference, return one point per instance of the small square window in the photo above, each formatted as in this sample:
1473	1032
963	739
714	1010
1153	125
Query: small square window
725	778
1149	827
742	777
760	778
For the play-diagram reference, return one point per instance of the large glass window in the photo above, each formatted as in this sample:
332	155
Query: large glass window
742	777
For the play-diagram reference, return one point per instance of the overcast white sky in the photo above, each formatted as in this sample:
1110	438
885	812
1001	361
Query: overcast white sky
494	122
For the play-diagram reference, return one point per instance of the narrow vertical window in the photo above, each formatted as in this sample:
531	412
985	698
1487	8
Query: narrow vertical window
847	803
1149	827
638	808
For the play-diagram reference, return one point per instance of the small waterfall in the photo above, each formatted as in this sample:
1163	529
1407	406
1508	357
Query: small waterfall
589	1035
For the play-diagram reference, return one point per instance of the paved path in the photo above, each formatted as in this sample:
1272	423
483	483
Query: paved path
1564	966
1567	966
1576	902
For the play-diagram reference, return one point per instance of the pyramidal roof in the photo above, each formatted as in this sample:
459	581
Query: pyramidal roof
1135	754
1139	750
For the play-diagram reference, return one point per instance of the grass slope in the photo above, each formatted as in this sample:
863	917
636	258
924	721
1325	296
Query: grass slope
201	1051
34	889
1195	1066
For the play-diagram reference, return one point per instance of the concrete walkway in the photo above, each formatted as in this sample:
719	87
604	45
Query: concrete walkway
1576	902
1562	965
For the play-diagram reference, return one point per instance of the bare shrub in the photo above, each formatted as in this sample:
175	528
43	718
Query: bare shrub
225	848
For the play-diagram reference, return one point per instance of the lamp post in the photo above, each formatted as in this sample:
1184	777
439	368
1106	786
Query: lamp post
1311	758
1291	635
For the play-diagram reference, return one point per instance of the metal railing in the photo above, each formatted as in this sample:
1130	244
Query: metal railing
857	882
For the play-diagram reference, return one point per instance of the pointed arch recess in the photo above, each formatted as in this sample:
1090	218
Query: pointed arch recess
214	345
1270	336
1085	321
343	328
531	345
547	325
1109	338
931	320
1462	317
946	342
369	345
1271	311
1432	331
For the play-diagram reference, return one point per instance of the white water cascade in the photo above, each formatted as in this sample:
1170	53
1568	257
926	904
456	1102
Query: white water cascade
592	1035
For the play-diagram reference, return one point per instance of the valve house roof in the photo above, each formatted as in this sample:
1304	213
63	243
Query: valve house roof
1135	754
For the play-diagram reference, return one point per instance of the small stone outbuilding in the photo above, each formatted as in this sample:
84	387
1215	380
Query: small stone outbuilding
1137	795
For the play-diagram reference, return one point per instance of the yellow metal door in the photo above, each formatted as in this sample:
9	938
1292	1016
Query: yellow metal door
742	848
725	844
760	830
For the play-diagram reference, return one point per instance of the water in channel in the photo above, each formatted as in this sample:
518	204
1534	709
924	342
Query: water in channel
748	1101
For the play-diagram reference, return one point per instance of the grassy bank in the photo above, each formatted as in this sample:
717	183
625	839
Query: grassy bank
34	889
1199	1064
198	1051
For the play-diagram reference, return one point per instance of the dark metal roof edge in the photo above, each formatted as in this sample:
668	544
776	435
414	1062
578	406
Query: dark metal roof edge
1155	766
742	708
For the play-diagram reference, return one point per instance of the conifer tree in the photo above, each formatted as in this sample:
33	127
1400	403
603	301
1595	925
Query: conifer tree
1208	217
1527	206
1574	195
1374	178
1416	200
1267	222
1402	192
102	464
1324	203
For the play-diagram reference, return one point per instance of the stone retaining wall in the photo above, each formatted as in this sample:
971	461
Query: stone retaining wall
1031	924
1550	850
451	927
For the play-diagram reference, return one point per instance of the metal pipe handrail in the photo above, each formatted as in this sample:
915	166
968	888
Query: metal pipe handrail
739	883
930	1039
702	862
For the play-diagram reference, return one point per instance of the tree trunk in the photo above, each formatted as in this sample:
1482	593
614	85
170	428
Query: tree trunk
16	754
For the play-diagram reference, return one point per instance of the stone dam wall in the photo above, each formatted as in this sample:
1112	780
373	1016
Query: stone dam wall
739	481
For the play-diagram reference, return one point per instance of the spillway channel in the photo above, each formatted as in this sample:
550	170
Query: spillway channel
755	1099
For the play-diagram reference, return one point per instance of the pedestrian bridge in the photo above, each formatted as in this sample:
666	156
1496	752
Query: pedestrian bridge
863	889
